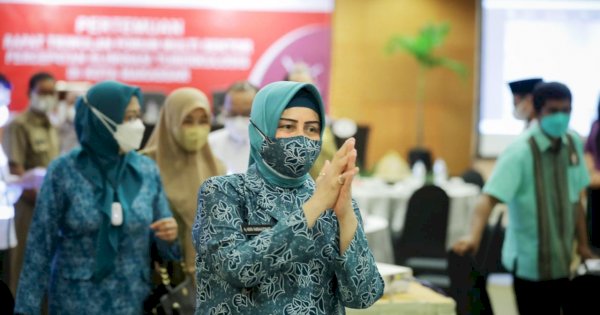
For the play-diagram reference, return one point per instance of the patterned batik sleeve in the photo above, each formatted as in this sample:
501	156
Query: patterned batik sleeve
41	244
240	260
359	282
166	250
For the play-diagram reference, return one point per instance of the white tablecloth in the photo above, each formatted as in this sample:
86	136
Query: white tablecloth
376	198
380	239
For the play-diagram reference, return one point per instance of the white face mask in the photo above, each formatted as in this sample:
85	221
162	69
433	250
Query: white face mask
4	96
71	113
58	115
43	104
4	102
522	111
129	135
4	113
238	127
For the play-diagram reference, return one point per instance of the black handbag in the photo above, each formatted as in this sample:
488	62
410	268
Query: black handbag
173	291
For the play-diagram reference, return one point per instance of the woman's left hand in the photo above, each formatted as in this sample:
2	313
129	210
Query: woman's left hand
342	208
165	229
343	205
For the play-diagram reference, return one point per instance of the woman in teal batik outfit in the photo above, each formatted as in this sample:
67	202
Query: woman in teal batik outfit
98	211
270	241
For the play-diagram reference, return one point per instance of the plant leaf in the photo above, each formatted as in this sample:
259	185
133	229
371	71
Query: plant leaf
455	66
422	47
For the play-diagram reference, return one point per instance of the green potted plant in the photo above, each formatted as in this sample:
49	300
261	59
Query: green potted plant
423	48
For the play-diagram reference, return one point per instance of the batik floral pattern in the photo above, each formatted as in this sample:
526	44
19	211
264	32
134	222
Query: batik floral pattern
299	154
286	269
62	243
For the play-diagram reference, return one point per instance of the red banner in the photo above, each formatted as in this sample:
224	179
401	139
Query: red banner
159	49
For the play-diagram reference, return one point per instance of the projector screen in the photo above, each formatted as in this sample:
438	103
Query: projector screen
555	40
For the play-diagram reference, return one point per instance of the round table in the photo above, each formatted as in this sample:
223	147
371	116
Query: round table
377	198
380	240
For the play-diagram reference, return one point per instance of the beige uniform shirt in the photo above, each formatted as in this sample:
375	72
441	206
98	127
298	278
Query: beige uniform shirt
31	141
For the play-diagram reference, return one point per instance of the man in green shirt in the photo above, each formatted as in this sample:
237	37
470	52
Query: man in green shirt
542	178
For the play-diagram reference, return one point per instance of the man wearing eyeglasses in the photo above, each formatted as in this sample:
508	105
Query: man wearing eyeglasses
231	144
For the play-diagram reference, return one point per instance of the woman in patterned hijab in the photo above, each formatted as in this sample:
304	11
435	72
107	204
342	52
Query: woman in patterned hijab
272	240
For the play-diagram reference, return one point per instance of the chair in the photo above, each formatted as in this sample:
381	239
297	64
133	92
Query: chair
583	294
473	177
468	274
7	302
422	245
420	154
489	255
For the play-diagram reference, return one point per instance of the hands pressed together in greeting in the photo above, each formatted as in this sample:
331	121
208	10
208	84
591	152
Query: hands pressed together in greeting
334	191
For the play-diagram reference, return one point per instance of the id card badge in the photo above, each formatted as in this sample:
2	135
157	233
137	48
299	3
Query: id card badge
253	230
116	214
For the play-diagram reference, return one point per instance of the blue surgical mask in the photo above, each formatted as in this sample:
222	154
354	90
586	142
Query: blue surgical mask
555	125
291	157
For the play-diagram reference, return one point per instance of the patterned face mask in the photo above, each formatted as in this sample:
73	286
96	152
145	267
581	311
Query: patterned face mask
292	157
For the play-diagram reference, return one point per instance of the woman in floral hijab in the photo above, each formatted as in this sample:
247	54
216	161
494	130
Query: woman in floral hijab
271	241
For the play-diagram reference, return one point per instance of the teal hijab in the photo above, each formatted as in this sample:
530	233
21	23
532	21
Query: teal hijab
115	176
267	107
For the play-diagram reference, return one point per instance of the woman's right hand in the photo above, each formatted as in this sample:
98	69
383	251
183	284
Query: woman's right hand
333	174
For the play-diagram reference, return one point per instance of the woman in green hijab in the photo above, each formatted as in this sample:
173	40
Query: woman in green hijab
272	241
98	211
